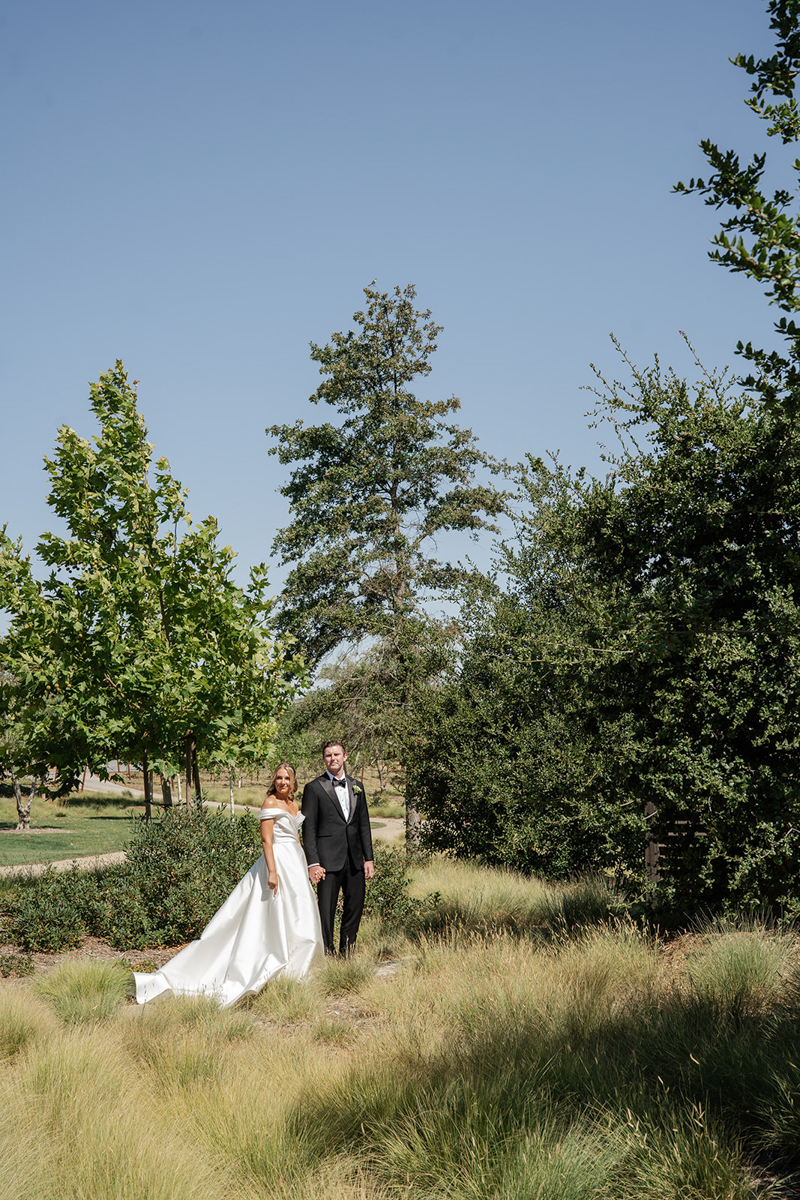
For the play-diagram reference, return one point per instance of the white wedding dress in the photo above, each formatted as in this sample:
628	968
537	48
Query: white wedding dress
255	936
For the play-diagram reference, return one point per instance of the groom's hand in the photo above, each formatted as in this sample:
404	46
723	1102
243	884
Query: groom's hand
369	870
316	873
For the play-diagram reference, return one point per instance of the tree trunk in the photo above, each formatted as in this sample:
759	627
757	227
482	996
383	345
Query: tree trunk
23	808
231	789
196	773
148	787
166	792
189	744
412	826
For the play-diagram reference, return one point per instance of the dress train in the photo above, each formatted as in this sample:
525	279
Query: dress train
255	936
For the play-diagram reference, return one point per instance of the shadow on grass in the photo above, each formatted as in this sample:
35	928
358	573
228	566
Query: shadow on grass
96	801
11	826
690	1091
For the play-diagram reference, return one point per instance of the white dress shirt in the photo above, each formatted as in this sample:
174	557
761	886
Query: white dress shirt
342	794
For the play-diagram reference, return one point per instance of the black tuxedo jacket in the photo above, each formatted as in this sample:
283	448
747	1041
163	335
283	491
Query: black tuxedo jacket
327	837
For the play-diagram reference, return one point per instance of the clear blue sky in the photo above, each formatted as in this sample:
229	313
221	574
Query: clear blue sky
201	188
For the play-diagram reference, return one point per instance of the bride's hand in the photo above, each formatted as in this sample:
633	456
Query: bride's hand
272	882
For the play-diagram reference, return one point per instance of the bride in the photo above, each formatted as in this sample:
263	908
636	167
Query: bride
268	926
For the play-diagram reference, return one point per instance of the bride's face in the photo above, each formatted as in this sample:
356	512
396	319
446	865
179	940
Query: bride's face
283	784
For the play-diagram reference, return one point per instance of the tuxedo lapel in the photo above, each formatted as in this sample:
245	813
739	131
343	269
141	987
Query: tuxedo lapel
330	792
354	791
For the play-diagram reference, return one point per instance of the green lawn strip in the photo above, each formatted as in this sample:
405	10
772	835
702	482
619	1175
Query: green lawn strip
87	825
91	824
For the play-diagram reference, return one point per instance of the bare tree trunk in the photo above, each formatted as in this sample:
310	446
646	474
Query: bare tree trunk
231	790
178	782
23	808
189	743
166	792
196	773
148	787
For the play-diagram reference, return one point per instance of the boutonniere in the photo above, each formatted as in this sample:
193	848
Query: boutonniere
358	788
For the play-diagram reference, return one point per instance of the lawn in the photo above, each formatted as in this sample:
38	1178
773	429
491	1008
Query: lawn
89	823
86	824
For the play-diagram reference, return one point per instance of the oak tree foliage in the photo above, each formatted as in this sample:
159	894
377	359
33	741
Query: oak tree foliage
761	237
640	680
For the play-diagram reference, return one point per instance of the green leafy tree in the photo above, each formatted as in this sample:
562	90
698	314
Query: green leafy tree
641	680
522	750
369	495
702	531
357	697
761	237
137	642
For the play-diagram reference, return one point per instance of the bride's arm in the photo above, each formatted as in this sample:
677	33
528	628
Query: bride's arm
267	832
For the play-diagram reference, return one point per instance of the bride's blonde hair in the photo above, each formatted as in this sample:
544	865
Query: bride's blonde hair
284	766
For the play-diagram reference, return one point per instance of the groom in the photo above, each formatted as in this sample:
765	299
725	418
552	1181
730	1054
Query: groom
338	845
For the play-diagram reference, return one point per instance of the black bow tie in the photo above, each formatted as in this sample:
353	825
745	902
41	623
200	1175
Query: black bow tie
339	782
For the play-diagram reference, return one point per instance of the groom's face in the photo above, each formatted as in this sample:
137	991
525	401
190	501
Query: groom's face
335	758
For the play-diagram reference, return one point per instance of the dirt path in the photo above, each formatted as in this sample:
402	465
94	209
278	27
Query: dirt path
92	862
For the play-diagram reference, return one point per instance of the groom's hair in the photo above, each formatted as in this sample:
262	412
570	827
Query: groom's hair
334	742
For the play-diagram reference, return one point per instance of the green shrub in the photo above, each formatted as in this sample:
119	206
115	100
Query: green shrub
57	910
179	870
388	893
14	966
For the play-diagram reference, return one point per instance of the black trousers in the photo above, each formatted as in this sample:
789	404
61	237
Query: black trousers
352	884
